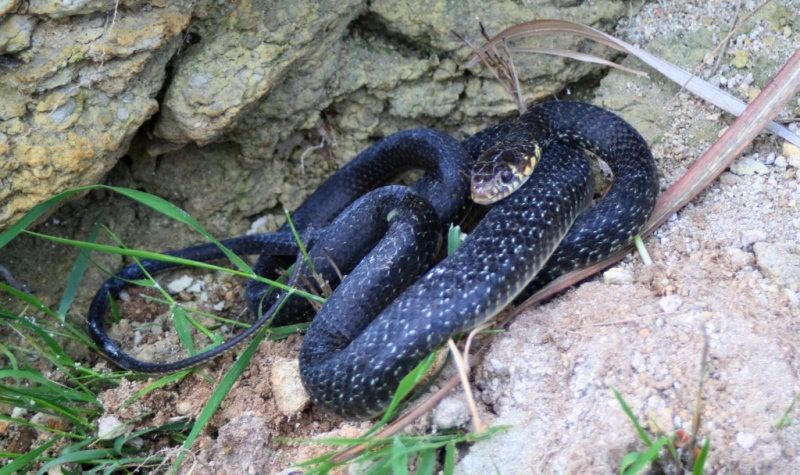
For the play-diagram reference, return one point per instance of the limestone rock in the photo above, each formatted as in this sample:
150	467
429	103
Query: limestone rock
246	56
82	91
7	6
15	32
780	262
61	9
287	387
749	166
266	78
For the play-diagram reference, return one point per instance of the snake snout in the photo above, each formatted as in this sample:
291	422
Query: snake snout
496	176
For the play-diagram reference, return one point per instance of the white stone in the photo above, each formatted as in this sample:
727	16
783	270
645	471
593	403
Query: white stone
670	303
452	412
618	276
749	166
110	427
287	388
746	440
180	284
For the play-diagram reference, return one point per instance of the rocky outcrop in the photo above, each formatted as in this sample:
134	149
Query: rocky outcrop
79	79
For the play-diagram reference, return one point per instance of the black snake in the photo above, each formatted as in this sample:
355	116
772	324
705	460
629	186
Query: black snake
351	364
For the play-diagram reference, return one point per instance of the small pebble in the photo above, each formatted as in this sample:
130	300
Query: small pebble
110	427
746	440
670	303
452	412
180	284
753	236
183	407
638	363
792	154
618	276
779	262
748	167
740	258
287	388
196	287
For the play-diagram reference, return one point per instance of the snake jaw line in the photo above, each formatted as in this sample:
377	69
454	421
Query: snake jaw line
502	169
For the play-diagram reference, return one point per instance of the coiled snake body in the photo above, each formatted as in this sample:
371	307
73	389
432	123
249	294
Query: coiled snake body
359	346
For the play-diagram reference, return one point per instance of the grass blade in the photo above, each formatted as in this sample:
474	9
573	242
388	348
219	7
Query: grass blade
176	260
427	462
76	274
179	319
643	458
701	459
786	418
407	384
449	458
454	238
399	457
19	464
629	412
155	385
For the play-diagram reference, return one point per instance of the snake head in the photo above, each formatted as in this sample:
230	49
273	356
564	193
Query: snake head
502	169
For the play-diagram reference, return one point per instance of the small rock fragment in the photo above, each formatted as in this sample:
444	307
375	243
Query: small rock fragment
15	32
452	412
180	284
746	440
670	303
740	58
287	387
740	258
753	236
638	363
779	262
749	166
618	276
110	427
792	154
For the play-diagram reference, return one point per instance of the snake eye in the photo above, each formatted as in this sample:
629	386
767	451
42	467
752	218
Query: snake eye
506	176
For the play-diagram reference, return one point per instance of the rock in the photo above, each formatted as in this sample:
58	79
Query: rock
287	387
618	276
6	6
670	303
49	421
740	258
71	108
749	166
258	78
779	262
746	440
638	363
110	427
15	33
452	412
180	284
792	154
61	9
753	236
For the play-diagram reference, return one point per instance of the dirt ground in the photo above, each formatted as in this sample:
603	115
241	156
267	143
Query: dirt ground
726	271
549	375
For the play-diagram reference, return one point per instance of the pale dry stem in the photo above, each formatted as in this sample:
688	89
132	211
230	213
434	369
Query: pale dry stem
462	366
